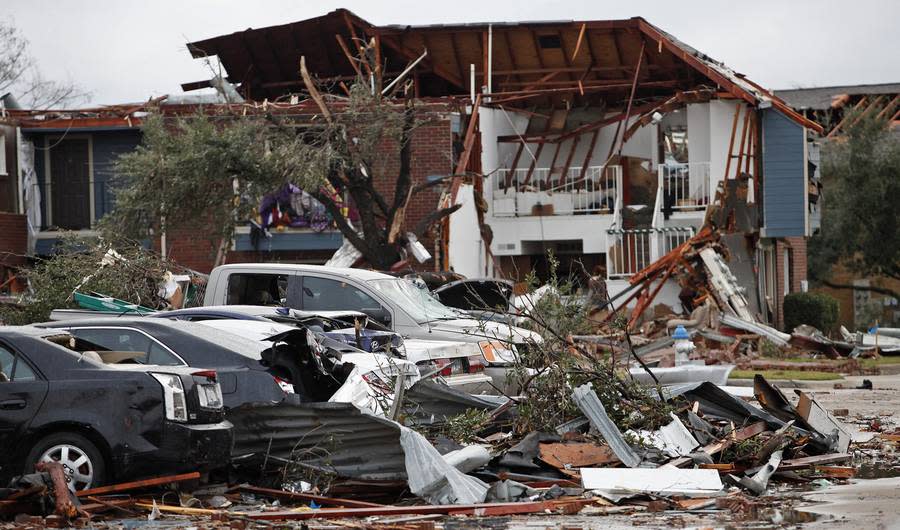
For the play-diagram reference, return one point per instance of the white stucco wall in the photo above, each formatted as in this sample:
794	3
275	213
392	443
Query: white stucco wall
467	254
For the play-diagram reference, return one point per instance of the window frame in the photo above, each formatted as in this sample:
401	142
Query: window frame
349	281
17	357
150	337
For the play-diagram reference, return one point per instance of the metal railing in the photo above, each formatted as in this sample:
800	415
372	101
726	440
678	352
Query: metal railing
685	186
548	193
630	251
627	252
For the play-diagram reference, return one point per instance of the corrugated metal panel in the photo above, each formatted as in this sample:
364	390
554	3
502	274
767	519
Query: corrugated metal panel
335	436
784	176
428	402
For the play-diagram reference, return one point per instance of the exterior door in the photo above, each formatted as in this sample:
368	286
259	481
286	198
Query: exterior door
70	184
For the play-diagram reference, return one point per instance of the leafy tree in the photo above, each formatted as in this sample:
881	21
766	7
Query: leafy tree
190	171
860	217
20	75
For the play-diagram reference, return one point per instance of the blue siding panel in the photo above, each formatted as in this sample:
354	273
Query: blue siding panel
784	176
107	147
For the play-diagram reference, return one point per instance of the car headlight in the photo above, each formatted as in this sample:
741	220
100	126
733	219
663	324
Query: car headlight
495	351
175	400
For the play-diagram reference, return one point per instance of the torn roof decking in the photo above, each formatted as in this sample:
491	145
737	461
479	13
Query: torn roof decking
574	62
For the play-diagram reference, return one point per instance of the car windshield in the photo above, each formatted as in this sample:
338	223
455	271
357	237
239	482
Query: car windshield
414	299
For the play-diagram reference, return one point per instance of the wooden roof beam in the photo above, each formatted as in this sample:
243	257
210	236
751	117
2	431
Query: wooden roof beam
440	71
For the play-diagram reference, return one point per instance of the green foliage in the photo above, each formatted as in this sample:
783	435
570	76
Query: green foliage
861	173
547	372
189	170
134	278
818	310
463	428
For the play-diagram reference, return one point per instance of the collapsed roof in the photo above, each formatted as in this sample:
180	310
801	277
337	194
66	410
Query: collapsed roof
549	63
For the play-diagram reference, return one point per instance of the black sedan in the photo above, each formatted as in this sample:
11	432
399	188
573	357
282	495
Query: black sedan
103	423
249	372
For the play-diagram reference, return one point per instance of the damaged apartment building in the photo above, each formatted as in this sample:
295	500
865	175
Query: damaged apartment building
604	142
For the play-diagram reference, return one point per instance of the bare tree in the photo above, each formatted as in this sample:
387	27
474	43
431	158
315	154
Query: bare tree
20	75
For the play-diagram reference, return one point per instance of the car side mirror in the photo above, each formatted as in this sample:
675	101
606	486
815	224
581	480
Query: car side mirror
381	315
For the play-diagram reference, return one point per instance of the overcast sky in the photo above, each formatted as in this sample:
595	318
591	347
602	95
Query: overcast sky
124	51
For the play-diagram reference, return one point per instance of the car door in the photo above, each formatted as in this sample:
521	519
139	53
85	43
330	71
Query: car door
328	294
22	391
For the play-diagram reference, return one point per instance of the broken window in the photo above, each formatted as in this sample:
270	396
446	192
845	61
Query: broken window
128	340
257	289
12	368
674	141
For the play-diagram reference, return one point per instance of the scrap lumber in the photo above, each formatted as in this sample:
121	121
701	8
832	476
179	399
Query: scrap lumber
127	486
575	455
809	461
65	508
304	497
480	510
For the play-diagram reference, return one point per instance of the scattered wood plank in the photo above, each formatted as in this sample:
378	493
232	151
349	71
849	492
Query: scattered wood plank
126	486
304	497
809	461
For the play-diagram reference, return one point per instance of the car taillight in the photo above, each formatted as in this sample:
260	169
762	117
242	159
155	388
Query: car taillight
475	364
286	387
173	393
209	374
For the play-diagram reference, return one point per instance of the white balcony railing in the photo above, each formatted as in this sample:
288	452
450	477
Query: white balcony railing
685	186
546	193
630	251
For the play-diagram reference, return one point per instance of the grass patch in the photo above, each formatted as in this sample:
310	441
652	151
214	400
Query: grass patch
797	375
881	361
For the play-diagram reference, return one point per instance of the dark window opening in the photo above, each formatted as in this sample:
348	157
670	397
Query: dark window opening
548	42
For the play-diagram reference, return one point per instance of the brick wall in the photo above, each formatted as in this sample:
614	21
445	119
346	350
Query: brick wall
797	272
13	239
431	155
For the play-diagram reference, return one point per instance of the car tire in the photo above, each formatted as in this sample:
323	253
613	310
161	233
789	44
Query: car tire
84	464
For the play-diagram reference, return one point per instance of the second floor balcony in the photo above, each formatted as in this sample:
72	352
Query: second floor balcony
542	191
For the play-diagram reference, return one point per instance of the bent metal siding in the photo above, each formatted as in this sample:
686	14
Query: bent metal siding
784	176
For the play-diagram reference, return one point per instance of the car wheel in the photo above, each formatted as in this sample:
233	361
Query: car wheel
82	462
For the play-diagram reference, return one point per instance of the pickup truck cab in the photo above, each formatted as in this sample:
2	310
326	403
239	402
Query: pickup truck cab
398	303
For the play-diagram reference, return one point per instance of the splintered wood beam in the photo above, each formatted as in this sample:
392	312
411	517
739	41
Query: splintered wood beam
343	45
564	176
743	140
862	101
515	164
889	106
587	156
411	55
615	86
356	40
579	41
553	163
468	143
734	122
637	73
